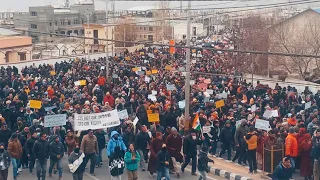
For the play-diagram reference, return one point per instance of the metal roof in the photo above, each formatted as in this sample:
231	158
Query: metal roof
8	32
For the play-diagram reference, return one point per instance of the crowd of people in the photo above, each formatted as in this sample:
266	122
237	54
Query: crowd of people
155	147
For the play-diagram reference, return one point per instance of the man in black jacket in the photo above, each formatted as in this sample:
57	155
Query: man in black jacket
28	149
141	143
226	139
56	154
5	134
213	136
101	144
190	151
40	152
240	143
163	158
203	163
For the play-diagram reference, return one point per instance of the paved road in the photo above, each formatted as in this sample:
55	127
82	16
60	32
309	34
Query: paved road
102	173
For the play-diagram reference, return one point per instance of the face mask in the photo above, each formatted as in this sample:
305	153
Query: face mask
194	137
76	150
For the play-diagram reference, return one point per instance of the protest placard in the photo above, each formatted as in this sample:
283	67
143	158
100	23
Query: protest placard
220	103
154	92
209	91
49	108
307	105
154	71
206	129
115	76
171	87
147	79
152	97
96	121
182	104
123	114
207	81
262	124
168	67
35	104
52	73
270	113
148	73
253	108
55	120
153	117
135	121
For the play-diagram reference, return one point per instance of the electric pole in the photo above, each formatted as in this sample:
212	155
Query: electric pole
187	85
107	43
88	15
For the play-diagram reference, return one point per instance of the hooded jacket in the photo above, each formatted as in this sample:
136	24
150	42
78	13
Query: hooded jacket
282	173
203	161
113	143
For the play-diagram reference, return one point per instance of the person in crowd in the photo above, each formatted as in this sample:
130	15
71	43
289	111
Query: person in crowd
252	143
89	146
226	139
56	155
190	151
15	152
203	163
74	162
163	158
214	137
28	149
305	158
142	141
131	159
284	170
5	134
4	162
116	164
174	147
116	140
40	152
240	143
24	159
128	136
70	142
19	126
292	148
102	144
155	147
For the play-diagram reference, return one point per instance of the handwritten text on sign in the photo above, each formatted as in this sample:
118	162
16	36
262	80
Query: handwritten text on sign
262	124
96	121
55	120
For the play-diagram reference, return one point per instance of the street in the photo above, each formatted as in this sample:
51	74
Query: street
103	173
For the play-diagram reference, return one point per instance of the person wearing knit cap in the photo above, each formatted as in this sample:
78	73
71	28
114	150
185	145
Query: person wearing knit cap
155	147
241	144
173	129
226	139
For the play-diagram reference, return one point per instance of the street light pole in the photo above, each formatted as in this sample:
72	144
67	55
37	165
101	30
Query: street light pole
187	85
107	43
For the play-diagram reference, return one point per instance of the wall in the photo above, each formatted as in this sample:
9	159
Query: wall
14	41
181	29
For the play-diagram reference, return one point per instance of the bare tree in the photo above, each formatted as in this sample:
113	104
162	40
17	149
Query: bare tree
125	31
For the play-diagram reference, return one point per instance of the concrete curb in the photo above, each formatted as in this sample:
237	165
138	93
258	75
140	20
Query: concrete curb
228	175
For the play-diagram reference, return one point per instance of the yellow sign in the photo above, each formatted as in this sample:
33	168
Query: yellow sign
148	72
83	82
154	71
153	117
35	104
220	103
149	111
168	68
142	53
135	69
127	58
52	73
193	51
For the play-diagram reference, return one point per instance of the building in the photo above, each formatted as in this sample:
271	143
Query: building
62	21
13	47
299	34
180	30
97	31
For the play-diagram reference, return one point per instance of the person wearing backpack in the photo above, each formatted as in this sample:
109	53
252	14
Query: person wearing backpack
116	164
203	163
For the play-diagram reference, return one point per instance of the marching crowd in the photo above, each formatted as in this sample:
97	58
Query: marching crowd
159	146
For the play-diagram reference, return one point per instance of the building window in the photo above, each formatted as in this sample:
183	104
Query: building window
82	21
22	56
150	37
33	13
150	28
69	22
140	28
56	23
75	21
50	23
62	22
34	26
144	28
144	36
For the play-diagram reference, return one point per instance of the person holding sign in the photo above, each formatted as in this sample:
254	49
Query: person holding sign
131	159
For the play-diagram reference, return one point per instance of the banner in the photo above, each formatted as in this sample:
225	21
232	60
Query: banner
35	104
262	124
96	121
55	120
123	114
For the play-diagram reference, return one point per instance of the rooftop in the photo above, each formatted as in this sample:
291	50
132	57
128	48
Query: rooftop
8	32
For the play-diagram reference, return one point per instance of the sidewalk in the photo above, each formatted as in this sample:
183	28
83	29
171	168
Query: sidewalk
230	170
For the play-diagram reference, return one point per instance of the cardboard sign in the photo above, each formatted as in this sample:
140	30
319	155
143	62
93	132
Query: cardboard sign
55	120
253	108
168	68
171	87
127	58
35	104
153	117
207	81
270	113
154	71
115	76
154	92
52	73
123	114
80	83
152	97
149	111
148	73
262	124
220	103
307	105
206	129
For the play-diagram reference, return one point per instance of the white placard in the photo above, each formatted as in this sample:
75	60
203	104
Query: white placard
270	113
182	104
191	82
307	105
253	108
115	76
223	95
96	121
152	97
209	91
171	87
262	124
77	83
206	129
102	67
123	114
135	121
154	92
55	120
147	79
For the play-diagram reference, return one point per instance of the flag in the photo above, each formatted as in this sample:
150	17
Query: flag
196	123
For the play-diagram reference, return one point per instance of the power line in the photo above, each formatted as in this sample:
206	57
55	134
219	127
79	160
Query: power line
180	46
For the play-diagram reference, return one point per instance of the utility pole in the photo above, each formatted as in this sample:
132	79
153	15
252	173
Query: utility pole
88	15
107	43
113	5
187	85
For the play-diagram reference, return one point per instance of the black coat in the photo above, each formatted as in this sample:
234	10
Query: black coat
41	150
142	140
116	164
5	136
226	135
190	146
56	149
203	161
101	140
29	145
127	138
162	157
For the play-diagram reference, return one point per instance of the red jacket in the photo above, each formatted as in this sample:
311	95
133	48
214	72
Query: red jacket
108	99
101	81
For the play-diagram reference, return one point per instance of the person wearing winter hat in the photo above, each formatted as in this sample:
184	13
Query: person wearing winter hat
203	163
226	139
240	143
